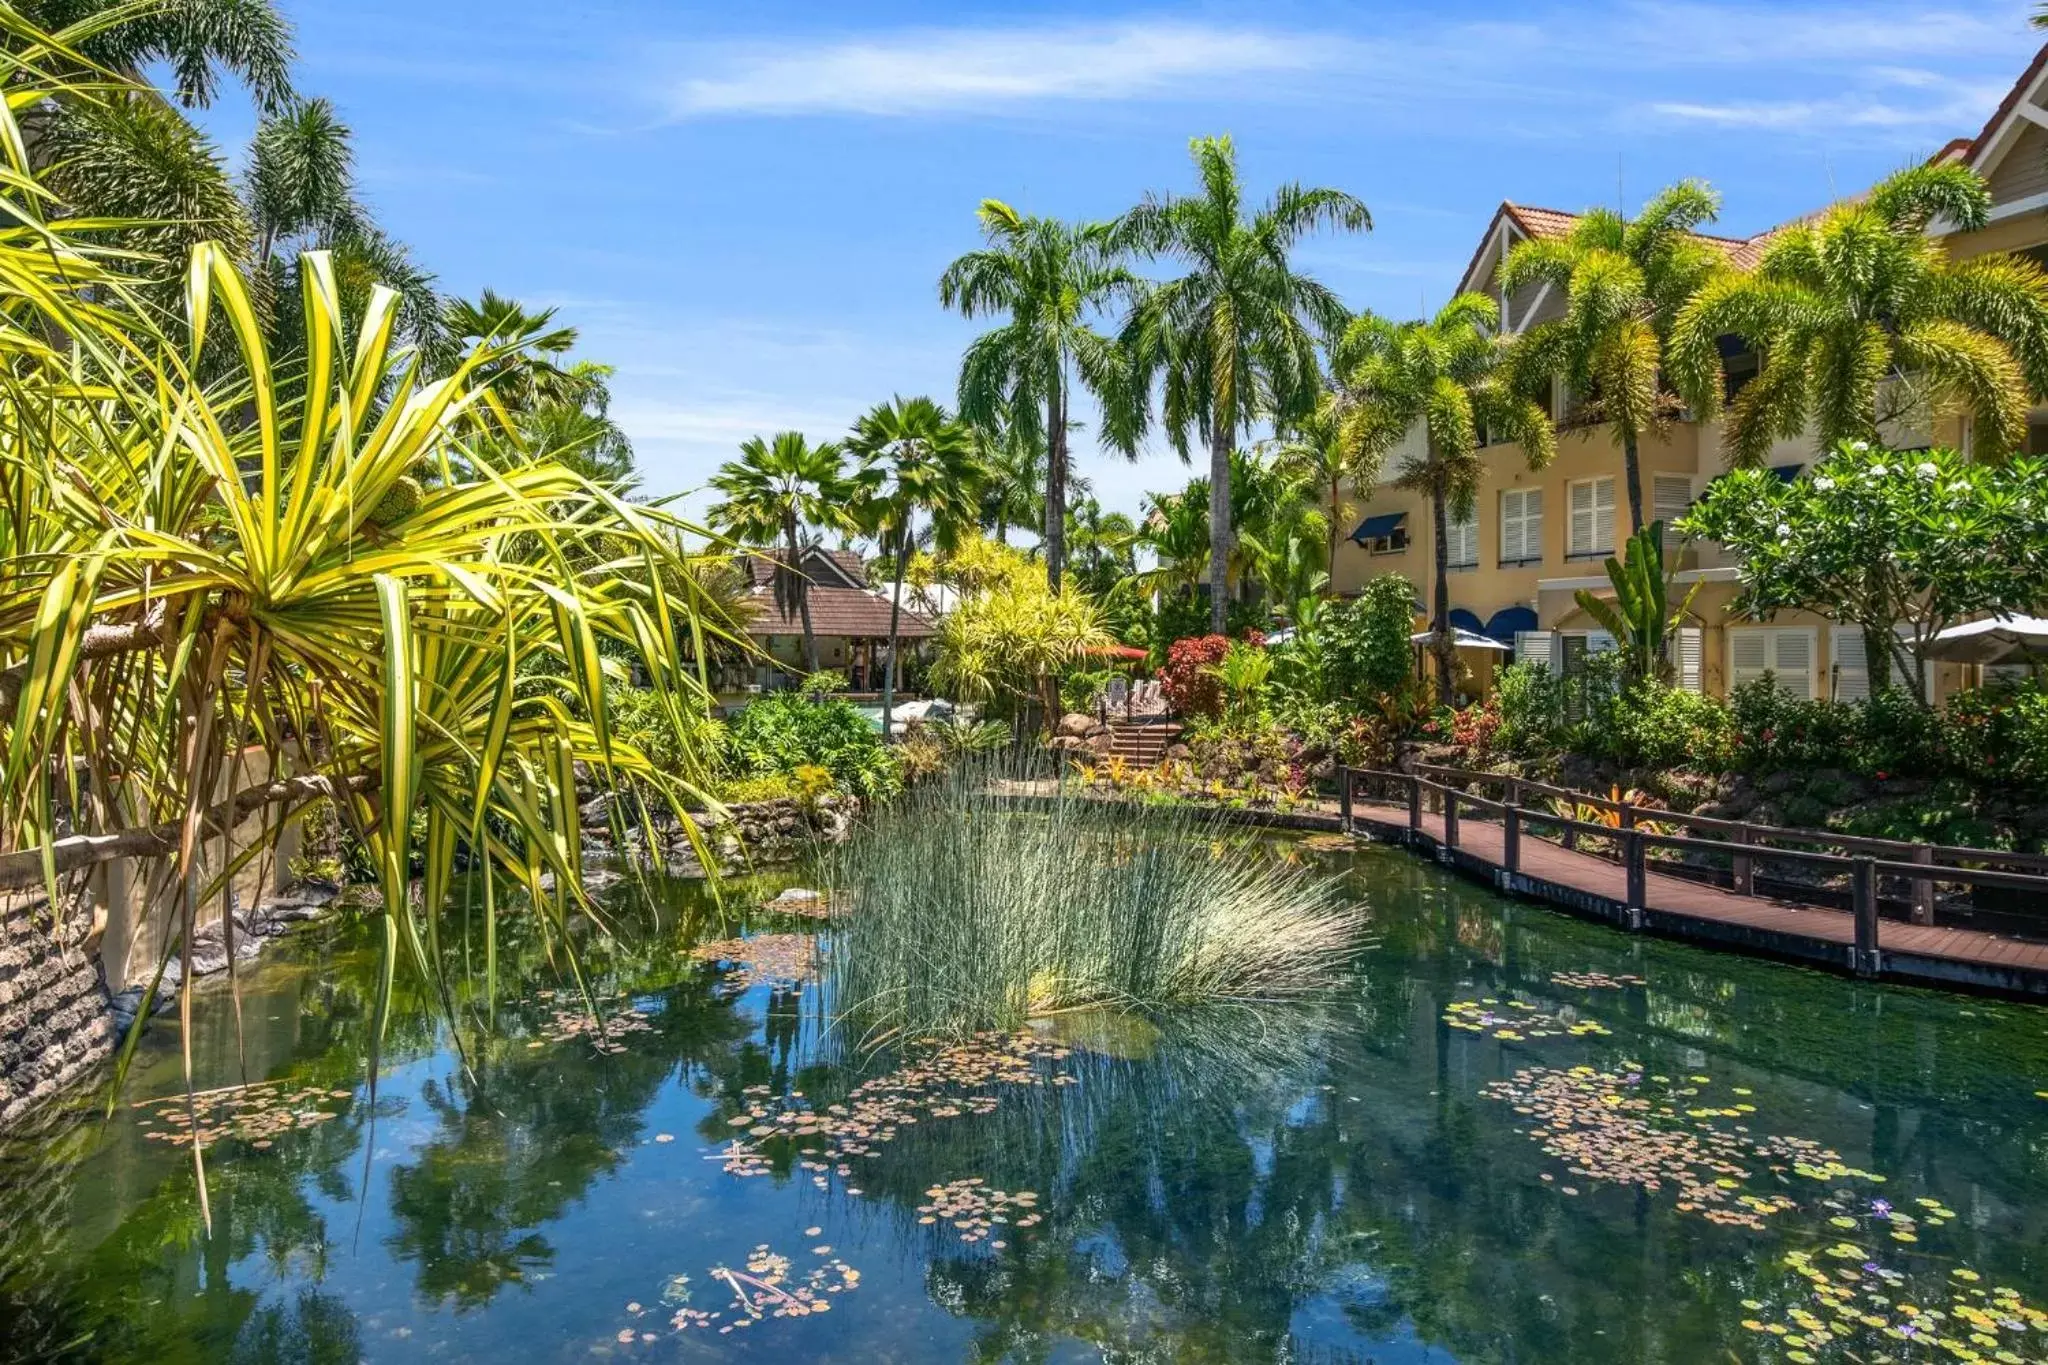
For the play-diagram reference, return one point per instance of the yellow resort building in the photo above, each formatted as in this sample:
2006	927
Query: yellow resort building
1537	537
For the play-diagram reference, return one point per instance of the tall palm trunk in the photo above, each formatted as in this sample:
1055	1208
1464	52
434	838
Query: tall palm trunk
1440	615
1336	491
895	618
1633	470
1056	485
801	591
1221	438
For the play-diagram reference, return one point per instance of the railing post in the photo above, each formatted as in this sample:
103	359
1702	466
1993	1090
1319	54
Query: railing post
1745	867
1923	887
1638	874
1627	816
1414	803
1511	838
1450	817
1863	884
1344	796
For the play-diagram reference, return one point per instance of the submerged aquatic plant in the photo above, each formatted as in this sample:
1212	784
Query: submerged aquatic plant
978	913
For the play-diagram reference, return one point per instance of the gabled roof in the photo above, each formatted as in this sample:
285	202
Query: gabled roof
855	613
1983	150
1541	224
835	568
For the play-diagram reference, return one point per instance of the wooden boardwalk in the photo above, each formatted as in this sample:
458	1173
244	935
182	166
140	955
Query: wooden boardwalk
1677	907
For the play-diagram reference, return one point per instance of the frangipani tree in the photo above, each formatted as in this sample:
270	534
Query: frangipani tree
1862	321
1902	544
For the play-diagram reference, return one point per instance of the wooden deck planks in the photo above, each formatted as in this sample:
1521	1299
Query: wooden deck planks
2014	963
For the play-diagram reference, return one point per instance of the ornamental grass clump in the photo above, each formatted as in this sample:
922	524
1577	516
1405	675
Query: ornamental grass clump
974	913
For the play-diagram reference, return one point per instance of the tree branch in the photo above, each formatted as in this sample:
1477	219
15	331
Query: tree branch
100	642
24	867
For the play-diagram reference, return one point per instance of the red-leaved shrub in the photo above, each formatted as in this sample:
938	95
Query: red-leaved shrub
1190	687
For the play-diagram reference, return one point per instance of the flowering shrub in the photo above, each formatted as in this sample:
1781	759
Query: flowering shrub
1189	679
1475	726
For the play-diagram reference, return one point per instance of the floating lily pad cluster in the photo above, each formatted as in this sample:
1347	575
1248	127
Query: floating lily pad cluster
1857	1310
256	1114
1519	1020
977	1211
1328	843
773	959
770	1286
1596	981
1651	1131
604	1034
936	1086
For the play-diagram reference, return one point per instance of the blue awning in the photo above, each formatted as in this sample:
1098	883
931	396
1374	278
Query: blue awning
1787	472
1375	528
1465	620
1507	622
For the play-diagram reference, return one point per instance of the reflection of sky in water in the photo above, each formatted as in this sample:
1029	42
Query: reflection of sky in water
1322	1185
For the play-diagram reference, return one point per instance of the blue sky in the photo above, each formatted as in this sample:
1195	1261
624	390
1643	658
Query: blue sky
745	207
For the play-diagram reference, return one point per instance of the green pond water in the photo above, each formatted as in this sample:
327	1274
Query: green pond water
1366	1180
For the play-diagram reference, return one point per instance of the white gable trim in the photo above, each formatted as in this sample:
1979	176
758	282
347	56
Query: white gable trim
1491	252
2025	109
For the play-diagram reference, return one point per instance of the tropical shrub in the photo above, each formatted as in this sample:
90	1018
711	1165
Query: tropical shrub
1011	639
1364	640
1189	678
1531	703
1080	688
786	731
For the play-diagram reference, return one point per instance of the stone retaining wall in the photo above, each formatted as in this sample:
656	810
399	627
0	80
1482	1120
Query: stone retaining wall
54	1024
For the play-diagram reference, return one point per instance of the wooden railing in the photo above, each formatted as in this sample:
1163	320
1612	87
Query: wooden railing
1863	861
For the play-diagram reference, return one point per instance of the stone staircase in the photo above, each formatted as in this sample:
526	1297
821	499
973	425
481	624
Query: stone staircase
1142	744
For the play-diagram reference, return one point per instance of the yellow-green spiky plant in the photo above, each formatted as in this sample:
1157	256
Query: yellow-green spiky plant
204	618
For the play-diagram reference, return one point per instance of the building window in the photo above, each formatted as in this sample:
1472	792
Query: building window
1785	654
1461	541
1592	518
1393	543
1521	526
1670	498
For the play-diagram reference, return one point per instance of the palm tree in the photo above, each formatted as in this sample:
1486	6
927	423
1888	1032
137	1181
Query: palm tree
773	493
1049	277
1314	450
1101	543
1233	341
1175	529
197	39
301	179
1861	320
1623	283
1012	473
915	459
1449	375
534	372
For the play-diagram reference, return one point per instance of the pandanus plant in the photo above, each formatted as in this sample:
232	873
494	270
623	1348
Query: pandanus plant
221	601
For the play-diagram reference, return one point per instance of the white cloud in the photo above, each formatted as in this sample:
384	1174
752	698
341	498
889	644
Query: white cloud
935	70
1892	99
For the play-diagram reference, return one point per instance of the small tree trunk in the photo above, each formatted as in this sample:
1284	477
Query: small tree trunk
1877	656
1055	489
803	598
895	615
1220	529
1440	615
1633	470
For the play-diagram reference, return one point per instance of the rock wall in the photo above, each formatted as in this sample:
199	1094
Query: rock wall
54	1025
752	834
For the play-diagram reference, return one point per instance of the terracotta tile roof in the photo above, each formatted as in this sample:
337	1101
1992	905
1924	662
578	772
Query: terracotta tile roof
760	567
852	612
2004	109
1548	224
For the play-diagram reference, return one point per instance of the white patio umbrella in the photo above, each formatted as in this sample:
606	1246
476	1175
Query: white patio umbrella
2015	639
1460	639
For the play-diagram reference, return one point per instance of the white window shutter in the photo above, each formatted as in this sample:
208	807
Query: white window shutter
1582	518
1792	661
1538	647
1599	642
1603	515
1521	525
1670	496
1748	655
1461	541
1850	664
1688	645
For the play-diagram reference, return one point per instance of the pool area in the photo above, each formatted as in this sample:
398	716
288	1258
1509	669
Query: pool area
1511	1136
